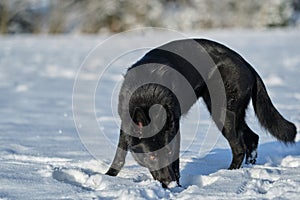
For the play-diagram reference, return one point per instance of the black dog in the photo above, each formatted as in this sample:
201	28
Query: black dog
214	72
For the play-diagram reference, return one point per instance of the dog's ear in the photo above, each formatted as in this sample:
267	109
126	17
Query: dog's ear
139	116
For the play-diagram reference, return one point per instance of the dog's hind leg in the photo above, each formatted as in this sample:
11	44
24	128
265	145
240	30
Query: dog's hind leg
229	128
234	137
251	142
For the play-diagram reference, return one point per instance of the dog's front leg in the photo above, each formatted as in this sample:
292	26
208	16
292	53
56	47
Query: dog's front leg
120	156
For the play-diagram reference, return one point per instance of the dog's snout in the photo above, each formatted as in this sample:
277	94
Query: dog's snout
165	175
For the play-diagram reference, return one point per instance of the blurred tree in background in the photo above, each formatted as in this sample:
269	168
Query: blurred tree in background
94	16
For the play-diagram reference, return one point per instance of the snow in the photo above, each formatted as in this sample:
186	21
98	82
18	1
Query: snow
42	156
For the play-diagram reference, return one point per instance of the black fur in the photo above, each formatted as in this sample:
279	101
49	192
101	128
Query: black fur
241	83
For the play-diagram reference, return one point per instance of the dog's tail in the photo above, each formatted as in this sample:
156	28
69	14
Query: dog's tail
269	117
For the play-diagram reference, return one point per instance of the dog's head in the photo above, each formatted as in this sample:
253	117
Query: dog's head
158	151
150	119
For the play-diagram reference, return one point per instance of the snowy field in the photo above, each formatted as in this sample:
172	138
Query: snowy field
43	156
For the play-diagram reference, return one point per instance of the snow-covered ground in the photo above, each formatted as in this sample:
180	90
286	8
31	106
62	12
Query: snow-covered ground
42	156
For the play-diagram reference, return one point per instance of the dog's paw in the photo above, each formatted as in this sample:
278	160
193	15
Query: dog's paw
112	172
251	157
